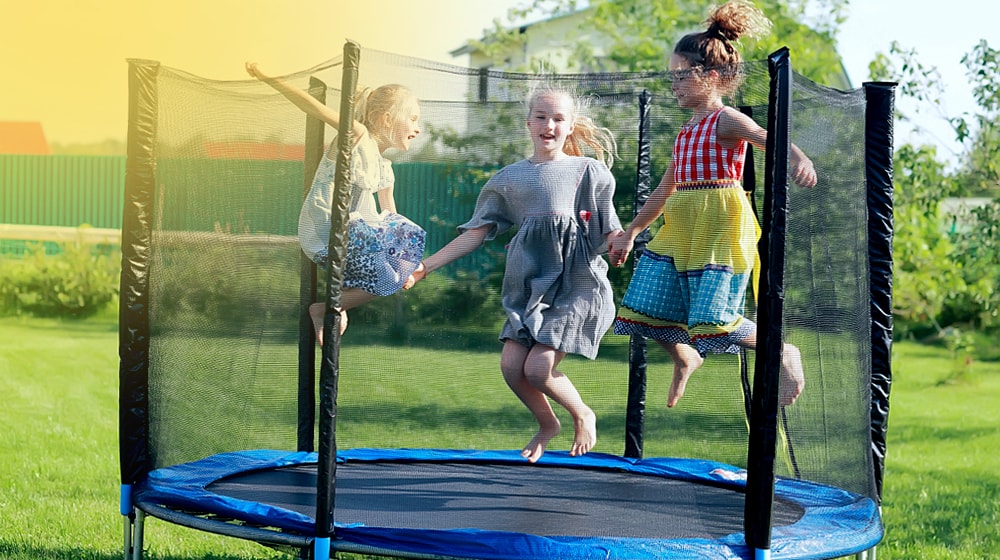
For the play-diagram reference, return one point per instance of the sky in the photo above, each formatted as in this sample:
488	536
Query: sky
64	62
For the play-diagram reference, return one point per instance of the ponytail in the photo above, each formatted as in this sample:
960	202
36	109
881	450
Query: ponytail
598	138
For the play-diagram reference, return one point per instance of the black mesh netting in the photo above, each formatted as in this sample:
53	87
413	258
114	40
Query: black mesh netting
420	369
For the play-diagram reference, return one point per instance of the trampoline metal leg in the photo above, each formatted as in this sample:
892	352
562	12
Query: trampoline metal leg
140	522
127	547
866	554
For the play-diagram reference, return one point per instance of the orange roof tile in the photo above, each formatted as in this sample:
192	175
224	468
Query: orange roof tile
255	150
26	138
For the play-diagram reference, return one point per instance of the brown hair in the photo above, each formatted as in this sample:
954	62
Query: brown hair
713	48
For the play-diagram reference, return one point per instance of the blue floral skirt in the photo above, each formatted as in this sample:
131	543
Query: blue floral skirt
381	254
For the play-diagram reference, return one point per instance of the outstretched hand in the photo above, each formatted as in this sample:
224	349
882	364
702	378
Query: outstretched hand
419	274
255	72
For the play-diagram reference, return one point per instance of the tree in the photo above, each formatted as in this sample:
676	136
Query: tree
947	275
981	173
643	32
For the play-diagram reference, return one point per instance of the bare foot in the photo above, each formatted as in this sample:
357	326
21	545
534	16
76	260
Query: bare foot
586	434
536	447
343	321
793	380
686	361
317	312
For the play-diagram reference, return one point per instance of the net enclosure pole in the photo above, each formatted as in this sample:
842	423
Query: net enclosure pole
133	306
879	100
307	285
330	365
764	402
635	414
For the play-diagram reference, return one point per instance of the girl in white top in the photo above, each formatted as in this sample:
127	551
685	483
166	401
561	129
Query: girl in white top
384	247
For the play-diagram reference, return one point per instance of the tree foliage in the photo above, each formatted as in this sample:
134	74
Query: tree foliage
642	33
947	269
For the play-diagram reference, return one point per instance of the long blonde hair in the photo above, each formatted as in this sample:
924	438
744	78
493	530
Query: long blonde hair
585	131
371	103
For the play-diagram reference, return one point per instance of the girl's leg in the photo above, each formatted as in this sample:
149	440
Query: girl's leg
540	370
512	365
793	379
349	299
354	297
686	359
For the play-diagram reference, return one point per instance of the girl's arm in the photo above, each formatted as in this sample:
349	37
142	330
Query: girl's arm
307	103
621	245
467	242
735	126
386	200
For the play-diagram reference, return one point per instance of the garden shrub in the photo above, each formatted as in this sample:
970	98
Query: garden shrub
76	282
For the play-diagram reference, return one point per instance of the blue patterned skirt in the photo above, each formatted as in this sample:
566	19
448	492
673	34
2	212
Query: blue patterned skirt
381	254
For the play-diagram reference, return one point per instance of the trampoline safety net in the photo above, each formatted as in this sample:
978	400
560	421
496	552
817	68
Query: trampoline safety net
218	287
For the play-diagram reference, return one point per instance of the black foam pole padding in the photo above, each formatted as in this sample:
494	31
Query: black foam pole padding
879	98
330	364
306	431
635	413
759	504
133	307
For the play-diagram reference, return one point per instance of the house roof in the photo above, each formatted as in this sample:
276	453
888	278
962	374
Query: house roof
23	138
255	150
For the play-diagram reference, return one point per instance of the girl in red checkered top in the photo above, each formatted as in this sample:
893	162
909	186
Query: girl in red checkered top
688	289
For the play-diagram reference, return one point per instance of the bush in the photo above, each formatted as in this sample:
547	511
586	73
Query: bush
434	303
77	282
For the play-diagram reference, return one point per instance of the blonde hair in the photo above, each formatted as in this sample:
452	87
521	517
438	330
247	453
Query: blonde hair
370	104
713	48
585	131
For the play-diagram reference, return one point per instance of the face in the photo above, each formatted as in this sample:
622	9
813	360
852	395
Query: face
688	84
406	127
550	121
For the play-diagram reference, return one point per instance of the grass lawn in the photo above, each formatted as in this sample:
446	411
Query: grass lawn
59	458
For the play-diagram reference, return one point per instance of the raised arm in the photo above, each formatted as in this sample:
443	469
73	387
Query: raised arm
735	126
307	103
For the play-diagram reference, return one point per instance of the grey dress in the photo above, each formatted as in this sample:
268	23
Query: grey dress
555	288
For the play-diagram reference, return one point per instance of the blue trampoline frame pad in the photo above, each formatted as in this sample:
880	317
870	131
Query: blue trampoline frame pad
833	522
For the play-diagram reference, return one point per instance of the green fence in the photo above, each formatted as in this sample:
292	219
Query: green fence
62	190
73	191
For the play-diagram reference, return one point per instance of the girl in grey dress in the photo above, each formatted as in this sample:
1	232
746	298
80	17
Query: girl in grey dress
555	292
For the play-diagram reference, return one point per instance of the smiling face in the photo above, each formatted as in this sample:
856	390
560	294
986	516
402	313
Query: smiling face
406	126
550	121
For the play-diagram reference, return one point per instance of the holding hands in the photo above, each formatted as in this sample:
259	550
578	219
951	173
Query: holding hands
619	246
419	274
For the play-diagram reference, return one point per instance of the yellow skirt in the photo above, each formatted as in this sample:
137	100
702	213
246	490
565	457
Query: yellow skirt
690	283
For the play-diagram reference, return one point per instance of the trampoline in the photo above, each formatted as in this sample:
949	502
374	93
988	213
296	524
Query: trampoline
227	427
491	504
